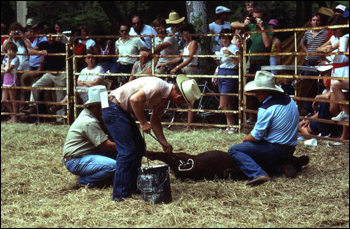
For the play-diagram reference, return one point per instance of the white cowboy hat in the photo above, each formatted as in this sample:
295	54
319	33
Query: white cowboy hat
324	68
94	95
222	9
174	18
264	81
189	89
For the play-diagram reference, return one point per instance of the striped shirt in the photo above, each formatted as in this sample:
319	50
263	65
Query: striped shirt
278	121
314	42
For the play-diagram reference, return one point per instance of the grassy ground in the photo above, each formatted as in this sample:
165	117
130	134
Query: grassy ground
34	183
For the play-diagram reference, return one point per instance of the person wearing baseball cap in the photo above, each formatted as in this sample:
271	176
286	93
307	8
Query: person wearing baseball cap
129	101
87	152
339	9
222	14
269	148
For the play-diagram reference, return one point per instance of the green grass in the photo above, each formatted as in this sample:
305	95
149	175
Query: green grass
34	188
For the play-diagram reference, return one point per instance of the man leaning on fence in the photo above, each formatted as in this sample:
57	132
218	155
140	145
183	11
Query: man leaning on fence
53	64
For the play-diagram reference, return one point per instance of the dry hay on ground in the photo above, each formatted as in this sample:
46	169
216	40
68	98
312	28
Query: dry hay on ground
33	184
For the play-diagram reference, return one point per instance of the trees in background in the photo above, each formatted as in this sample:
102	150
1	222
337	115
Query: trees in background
104	15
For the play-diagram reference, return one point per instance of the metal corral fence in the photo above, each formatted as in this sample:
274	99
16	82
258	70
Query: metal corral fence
73	105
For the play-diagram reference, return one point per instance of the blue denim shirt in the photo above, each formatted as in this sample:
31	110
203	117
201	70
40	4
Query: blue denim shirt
278	121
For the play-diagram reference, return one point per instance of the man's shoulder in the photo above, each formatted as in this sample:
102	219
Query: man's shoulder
149	30
43	44
86	117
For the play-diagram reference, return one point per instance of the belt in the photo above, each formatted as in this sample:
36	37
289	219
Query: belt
340	65
113	99
284	146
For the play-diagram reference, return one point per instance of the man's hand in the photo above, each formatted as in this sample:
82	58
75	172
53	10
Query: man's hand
249	138
260	23
247	21
167	148
43	52
146	127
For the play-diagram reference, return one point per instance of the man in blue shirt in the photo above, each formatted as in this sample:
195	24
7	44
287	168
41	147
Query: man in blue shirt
272	141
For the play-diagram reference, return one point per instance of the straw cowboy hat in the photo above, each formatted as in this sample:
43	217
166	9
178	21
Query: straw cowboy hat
189	89
174	18
264	81
94	95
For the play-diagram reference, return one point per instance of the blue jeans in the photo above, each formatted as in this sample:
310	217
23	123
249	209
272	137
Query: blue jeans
95	169
131	148
260	158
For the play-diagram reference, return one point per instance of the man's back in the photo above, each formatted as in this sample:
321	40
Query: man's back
278	121
84	136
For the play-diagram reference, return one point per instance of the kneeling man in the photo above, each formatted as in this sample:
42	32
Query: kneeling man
87	151
271	144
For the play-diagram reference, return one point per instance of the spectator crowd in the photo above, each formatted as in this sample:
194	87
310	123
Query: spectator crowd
31	54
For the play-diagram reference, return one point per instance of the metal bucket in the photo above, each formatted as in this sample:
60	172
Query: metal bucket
154	184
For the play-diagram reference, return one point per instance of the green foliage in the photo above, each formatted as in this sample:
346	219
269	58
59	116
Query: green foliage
8	11
72	14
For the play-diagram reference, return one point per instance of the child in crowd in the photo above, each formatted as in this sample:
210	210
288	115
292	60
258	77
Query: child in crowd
10	63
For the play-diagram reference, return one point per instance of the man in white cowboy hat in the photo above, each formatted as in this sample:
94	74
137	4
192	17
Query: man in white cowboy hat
130	100
87	152
268	149
222	13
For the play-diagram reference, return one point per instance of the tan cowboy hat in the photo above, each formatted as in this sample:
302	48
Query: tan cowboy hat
94	95
264	81
174	18
189	89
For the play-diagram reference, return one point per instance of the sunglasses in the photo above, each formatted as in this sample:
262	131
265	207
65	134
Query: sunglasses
124	31
136	23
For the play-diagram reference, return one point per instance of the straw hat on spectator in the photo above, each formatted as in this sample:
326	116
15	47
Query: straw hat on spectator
189	89
264	81
174	18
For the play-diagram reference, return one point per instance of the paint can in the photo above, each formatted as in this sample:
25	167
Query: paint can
154	184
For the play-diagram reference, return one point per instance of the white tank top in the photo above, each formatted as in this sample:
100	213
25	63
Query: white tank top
186	51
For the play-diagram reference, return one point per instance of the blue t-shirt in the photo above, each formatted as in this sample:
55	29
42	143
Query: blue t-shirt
278	121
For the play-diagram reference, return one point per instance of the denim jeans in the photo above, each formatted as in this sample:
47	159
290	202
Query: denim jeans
260	158
95	169
131	148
